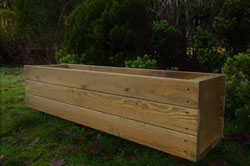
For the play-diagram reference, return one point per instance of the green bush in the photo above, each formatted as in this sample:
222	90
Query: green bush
143	63
40	27
7	26
166	41
7	18
208	54
65	57
106	32
232	28
238	89
9	54
4	38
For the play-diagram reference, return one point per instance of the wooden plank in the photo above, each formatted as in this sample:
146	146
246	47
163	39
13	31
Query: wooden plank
210	126
204	78
222	102
169	141
211	146
146	72
169	116
58	65
165	90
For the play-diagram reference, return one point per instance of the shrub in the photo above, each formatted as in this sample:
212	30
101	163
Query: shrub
167	45
65	57
7	18
211	60
4	38
238	89
209	56
143	63
106	32
9	54
174	69
233	26
40	26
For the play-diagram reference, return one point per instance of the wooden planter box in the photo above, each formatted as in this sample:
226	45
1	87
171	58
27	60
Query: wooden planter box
180	113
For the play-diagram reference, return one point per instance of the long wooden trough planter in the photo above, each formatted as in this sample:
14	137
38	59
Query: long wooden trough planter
180	113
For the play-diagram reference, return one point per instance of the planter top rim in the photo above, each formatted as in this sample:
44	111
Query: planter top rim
134	72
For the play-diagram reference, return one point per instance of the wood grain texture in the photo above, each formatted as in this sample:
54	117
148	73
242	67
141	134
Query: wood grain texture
171	91
210	124
169	141
168	116
145	72
222	102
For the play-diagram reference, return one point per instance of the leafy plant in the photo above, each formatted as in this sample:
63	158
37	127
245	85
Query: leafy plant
167	45
7	18
106	32
64	57
209	56
233	26
40	26
238	89
143	63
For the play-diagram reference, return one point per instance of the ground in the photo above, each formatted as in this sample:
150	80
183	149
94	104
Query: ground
29	137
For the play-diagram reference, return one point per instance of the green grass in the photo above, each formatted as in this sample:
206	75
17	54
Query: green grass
78	144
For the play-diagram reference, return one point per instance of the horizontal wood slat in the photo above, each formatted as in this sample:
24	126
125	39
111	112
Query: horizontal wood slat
180	113
165	90
145	72
169	141
159	114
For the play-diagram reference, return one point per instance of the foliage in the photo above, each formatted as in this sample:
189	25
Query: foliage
174	69
203	39
7	18
105	32
4	38
39	25
209	56
238	89
239	17
65	57
7	26
200	11
159	29
9	53
233	27
167	45
143	63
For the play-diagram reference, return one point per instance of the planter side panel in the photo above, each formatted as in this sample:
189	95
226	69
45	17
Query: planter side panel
172	142
134	71
159	114
171	91
211	119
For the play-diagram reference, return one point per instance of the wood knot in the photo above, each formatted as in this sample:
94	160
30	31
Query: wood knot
126	89
84	86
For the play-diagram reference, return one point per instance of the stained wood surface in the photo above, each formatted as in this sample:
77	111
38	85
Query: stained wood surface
171	91
159	114
181	113
222	102
134	71
210	124
169	141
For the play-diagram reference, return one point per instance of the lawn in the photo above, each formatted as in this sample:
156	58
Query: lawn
29	137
